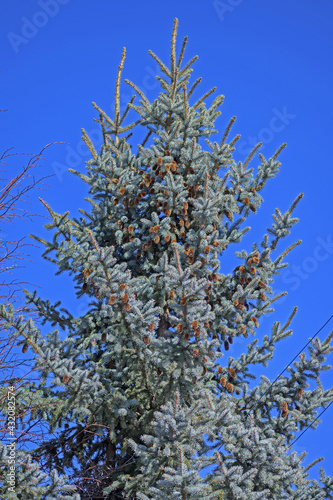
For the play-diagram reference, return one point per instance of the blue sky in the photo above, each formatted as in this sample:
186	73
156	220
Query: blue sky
269	59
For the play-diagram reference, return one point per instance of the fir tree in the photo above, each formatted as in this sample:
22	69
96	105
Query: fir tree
140	393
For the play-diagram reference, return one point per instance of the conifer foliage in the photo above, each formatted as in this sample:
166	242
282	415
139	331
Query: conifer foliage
140	396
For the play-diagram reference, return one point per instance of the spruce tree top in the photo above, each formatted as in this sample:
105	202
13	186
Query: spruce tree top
133	390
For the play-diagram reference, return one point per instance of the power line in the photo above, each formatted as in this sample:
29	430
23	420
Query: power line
329	319
287	367
309	426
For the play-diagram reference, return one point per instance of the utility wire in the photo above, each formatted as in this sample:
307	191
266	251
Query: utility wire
309	426
287	367
329	319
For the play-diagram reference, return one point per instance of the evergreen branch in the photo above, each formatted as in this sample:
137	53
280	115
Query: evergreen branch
206	186
53	215
224	180
127	109
105	116
84	178
186	67
138	110
105	137
180	271
47	207
124	140
86	214
235	139
197	104
314	463
276	154
116	98
173	50
151	114
177	127
160	63
94	241
92	202
294	203
226	133
113	149
278	296
310	425
21	332
163	83
215	104
41	240
88	142
291	247
181	55
185	103
327	341
176	404
254	150
209	401
141	94
198	80
129	127
146	138
137	349
289	320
